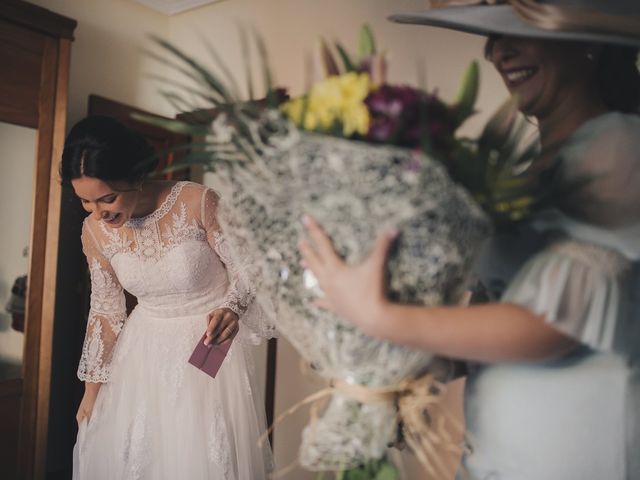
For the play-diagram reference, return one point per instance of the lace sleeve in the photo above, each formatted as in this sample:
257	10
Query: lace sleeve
239	294
255	310
106	315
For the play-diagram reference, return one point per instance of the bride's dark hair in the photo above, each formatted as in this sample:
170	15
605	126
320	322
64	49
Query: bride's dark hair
103	148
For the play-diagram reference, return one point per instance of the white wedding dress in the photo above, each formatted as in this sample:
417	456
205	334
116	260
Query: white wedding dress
157	416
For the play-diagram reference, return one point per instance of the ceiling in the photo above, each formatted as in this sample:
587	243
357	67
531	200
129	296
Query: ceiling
171	7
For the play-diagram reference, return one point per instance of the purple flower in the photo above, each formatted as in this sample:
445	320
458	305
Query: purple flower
405	116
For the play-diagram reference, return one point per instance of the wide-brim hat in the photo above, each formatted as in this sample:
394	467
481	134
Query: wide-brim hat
614	22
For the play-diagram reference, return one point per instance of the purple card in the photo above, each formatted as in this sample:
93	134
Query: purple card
209	358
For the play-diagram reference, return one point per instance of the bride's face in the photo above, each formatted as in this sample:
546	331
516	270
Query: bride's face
542	73
113	202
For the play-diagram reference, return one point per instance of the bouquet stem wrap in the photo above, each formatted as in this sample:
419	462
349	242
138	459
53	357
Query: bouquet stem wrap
425	427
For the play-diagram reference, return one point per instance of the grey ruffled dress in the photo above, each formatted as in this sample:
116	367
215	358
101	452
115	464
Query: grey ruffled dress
577	417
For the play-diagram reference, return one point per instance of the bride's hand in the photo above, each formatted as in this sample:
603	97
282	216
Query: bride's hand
88	401
222	324
354	292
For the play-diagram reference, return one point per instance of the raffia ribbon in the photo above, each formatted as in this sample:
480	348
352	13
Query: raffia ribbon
427	429
555	18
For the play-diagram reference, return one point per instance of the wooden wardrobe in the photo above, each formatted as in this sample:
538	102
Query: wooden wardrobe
35	49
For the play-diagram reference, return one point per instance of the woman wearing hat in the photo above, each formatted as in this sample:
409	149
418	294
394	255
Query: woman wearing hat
553	386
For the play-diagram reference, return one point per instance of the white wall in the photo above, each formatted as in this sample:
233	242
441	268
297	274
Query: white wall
17	161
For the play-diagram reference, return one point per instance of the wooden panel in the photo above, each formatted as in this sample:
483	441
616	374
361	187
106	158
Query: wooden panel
270	387
57	120
37	259
43	259
10	394
20	64
37	18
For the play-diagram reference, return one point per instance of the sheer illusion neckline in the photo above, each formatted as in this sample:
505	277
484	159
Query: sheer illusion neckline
162	210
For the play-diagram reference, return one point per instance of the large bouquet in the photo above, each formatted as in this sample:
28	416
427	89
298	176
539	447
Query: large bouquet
357	154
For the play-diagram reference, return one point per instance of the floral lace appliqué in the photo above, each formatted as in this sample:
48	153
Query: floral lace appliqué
108	310
150	244
91	366
134	453
106	294
218	445
94	364
116	241
180	230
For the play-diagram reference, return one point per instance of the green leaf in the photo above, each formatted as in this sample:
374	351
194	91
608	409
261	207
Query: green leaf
367	44
358	474
387	472
215	100
468	93
187	72
267	77
177	101
172	125
246	61
344	56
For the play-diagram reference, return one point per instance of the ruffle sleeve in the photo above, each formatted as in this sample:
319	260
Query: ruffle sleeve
582	290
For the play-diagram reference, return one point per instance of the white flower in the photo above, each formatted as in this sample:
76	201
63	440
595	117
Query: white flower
221	131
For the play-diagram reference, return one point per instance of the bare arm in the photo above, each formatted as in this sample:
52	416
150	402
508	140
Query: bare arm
486	333
88	399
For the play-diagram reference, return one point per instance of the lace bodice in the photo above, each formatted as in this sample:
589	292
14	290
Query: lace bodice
173	260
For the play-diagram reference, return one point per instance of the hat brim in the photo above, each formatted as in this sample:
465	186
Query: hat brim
502	20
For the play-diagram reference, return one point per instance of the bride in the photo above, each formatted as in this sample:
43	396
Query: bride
146	412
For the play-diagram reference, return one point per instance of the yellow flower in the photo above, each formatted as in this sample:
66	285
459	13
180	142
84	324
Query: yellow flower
337	100
355	120
354	86
293	109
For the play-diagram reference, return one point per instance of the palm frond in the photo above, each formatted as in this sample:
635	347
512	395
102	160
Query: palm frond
175	126
183	87
222	66
200	71
246	56
186	72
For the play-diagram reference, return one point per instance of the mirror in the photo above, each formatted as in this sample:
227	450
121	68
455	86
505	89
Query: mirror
17	162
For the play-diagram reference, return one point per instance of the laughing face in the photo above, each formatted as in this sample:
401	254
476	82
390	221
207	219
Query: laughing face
544	74
112	203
